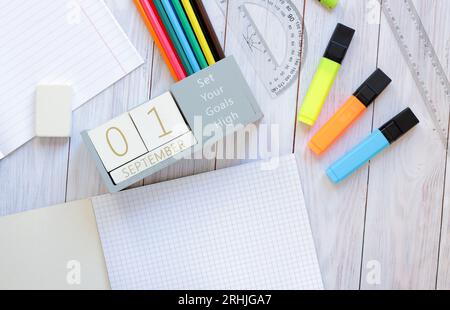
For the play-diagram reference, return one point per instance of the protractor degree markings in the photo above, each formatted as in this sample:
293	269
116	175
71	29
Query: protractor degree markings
418	64
275	73
257	33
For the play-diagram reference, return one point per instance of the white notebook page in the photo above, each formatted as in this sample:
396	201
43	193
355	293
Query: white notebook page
77	42
237	228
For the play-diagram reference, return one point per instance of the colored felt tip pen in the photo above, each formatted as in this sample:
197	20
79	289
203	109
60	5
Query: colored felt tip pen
372	145
329	4
326	74
352	109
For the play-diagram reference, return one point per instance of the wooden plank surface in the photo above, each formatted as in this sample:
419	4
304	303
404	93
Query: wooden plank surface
393	215
406	183
438	27
34	176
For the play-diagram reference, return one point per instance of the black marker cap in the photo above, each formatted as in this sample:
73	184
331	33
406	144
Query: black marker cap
399	125
372	87
339	43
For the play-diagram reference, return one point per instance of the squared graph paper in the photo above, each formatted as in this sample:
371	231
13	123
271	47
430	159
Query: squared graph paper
234	229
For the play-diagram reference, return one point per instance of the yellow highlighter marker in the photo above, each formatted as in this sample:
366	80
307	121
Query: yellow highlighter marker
326	74
198	31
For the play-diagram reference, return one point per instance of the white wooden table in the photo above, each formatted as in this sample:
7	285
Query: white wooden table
392	216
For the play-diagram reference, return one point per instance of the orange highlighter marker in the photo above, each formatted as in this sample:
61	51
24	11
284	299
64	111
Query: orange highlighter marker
352	109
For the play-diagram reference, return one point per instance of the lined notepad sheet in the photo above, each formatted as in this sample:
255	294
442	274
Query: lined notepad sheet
237	228
77	42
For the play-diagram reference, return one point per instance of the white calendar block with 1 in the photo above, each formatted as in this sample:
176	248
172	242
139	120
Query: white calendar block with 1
159	121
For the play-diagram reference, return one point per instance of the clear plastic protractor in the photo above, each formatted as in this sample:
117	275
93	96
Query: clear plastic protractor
277	72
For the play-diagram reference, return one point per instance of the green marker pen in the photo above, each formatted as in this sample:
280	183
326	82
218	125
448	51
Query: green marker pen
329	4
326	74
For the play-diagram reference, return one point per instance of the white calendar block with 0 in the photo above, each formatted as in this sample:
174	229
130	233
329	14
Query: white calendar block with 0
117	142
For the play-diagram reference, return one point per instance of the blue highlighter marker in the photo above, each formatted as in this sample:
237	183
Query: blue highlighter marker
372	145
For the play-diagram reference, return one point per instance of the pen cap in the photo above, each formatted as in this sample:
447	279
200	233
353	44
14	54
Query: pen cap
329	4
399	125
339	43
372	87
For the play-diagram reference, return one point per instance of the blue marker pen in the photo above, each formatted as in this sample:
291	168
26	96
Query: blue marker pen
372	145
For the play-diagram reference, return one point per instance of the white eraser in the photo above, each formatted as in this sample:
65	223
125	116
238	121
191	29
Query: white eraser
53	110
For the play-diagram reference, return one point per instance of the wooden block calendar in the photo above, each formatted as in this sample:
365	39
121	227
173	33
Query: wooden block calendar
201	109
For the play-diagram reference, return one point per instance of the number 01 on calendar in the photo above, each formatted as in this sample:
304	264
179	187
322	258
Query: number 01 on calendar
142	138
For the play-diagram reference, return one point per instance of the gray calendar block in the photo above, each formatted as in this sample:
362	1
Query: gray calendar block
219	97
212	103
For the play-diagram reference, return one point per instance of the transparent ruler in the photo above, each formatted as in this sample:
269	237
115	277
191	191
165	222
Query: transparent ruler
426	69
276	75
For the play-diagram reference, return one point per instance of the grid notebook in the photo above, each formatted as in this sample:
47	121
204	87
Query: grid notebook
76	42
238	228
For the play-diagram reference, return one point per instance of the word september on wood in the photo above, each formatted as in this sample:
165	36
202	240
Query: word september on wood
160	132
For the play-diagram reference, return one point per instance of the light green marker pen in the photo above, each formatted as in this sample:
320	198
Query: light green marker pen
326	74
329	4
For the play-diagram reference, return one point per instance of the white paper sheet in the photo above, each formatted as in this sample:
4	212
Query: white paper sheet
55	248
77	42
237	228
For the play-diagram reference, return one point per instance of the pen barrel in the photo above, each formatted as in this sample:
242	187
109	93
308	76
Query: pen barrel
318	91
358	156
337	125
